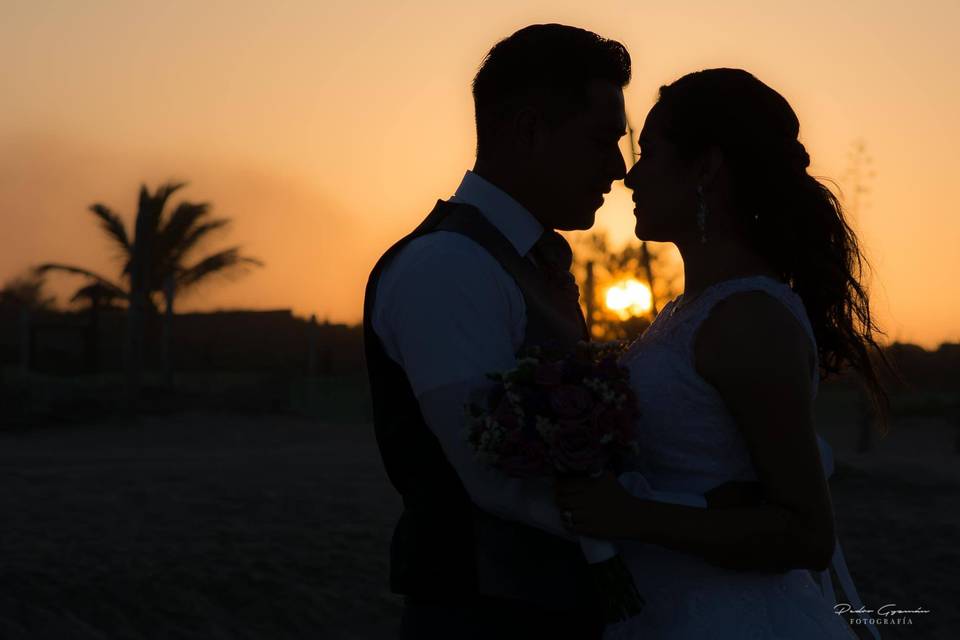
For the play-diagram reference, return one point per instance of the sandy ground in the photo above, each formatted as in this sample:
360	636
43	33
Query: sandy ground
219	526
195	526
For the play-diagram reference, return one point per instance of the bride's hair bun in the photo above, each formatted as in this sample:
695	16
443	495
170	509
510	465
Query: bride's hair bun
804	237
797	155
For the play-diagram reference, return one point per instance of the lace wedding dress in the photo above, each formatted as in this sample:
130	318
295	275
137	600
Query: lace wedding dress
689	444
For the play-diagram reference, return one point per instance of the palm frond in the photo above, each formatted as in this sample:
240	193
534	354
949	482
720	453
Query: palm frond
221	262
79	271
150	209
113	225
96	291
183	218
162	194
159	198
146	230
172	233
193	238
167	189
27	291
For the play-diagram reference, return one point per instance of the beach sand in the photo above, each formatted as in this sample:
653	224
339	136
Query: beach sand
240	526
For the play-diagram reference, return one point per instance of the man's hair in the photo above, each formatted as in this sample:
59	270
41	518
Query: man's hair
545	64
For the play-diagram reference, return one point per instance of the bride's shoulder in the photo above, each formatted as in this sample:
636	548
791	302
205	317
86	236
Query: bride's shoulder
752	328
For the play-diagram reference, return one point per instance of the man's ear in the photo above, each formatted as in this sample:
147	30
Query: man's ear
528	129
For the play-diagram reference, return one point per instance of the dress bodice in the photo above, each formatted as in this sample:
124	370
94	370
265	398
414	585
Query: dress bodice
688	439
689	443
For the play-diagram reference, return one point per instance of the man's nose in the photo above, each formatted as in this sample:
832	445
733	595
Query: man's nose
619	167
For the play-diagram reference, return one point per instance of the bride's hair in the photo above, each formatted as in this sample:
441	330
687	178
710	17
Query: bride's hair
786	215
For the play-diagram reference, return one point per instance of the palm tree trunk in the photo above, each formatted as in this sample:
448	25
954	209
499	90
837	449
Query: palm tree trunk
133	348
91	348
169	290
140	258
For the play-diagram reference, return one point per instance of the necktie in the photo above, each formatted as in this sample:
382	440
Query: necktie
553	257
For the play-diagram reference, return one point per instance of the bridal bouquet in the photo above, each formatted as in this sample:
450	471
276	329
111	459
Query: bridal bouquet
563	414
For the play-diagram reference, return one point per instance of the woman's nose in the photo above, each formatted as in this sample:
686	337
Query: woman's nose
630	178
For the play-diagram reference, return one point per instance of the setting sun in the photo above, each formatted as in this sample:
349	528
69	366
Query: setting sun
629	298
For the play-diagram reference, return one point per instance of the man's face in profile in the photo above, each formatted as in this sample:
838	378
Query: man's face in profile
580	158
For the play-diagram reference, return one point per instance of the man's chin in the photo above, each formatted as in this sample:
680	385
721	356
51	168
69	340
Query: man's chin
577	224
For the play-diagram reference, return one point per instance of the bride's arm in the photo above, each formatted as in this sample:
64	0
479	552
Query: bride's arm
759	359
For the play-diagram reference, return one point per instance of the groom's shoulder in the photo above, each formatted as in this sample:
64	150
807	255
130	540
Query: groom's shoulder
441	253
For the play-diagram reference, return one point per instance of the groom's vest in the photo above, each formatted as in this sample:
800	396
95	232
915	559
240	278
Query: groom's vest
444	547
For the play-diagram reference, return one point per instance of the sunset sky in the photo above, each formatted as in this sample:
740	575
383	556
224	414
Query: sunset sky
327	129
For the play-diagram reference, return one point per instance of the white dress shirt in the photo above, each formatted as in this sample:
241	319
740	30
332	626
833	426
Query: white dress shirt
449	314
446	310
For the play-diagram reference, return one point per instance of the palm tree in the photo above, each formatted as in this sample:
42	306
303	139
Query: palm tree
157	264
28	292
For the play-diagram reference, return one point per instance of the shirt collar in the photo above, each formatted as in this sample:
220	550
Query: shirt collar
506	214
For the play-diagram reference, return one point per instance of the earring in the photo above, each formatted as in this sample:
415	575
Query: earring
702	215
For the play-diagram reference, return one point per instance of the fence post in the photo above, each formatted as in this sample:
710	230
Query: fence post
648	270
589	285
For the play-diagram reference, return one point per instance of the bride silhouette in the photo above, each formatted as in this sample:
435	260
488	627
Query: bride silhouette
727	373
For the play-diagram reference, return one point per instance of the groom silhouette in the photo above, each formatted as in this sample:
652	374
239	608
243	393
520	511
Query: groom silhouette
477	554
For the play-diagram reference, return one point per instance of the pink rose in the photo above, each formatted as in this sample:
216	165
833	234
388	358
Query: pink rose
569	401
523	458
576	448
608	367
510	422
548	374
616	422
506	415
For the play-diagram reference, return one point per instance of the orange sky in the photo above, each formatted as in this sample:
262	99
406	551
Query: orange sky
327	129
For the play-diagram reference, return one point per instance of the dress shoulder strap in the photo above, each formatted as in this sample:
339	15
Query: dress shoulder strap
690	316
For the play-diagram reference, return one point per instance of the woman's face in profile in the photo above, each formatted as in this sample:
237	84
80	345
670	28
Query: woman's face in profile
664	186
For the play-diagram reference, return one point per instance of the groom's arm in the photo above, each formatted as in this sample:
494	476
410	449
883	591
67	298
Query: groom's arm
449	315
529	500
